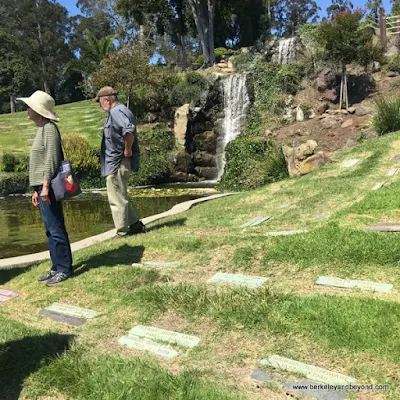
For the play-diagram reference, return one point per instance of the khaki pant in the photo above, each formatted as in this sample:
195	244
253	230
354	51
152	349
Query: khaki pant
117	190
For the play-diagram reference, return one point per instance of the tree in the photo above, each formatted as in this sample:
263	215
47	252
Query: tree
376	8
339	6
125	70
344	38
291	14
203	13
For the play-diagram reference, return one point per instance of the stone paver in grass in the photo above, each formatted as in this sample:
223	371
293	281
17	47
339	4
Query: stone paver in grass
5	127
6	294
392	172
60	317
354	284
286	233
384	227
349	163
377	186
72	311
310	371
251	281
157	264
145	344
89	120
323	216
164	335
255	221
396	157
315	390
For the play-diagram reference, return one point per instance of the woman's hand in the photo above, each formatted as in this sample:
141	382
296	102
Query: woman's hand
35	199
44	195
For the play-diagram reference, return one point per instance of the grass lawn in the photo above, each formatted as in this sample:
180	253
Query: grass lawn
84	117
352	332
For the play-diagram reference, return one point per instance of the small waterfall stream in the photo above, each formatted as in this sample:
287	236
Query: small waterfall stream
236	104
286	51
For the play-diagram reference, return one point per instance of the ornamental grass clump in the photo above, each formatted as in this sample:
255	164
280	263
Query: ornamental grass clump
387	115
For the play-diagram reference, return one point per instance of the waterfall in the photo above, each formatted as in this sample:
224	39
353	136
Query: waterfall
236	103
286	51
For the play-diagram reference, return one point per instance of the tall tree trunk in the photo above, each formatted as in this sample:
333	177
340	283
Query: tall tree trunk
142	38
183	61
204	20
46	85
12	104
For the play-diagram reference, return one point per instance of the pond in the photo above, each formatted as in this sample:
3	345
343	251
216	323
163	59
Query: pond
22	232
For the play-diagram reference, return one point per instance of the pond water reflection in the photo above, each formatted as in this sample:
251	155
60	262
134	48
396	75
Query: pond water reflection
22	232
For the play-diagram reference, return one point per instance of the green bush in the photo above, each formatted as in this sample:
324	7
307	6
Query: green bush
14	183
15	163
387	116
155	147
393	63
84	159
251	163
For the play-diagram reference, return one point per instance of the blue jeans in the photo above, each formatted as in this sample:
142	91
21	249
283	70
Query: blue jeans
57	236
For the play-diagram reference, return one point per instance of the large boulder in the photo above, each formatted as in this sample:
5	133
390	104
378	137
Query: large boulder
203	159
183	162
207	173
302	160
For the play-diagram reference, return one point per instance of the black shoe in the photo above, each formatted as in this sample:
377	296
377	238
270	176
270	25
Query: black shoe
46	276
57	278
137	228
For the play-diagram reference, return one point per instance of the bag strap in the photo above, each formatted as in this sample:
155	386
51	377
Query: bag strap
59	135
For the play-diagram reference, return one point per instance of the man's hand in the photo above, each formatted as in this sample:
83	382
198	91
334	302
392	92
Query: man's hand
35	199
128	153
44	195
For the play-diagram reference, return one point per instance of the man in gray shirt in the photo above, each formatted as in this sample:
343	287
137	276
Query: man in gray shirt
119	156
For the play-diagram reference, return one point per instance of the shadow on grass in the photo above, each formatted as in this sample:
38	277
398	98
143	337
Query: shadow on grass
123	255
9	274
20	358
169	224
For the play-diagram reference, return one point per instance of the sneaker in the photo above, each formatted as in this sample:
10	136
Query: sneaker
46	276
136	228
57	278
116	237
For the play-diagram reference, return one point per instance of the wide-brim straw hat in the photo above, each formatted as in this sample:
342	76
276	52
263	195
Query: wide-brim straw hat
42	103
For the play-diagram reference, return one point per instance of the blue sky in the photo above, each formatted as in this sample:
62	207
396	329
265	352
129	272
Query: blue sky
70	5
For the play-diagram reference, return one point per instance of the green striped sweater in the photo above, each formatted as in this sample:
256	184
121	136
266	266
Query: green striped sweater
45	155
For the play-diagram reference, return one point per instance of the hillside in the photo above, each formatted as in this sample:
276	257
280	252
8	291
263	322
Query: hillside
352	332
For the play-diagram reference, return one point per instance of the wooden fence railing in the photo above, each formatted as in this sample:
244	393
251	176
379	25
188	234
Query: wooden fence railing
385	27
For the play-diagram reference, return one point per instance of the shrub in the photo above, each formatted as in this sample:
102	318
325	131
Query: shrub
394	63
84	158
387	116
155	147
252	162
14	183
14	163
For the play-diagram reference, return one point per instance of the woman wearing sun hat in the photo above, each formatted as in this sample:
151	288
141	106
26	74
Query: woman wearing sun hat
45	158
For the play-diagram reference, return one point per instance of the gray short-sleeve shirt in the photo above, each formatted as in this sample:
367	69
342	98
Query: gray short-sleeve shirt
119	122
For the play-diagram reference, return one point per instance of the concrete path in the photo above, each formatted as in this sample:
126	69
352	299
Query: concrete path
22	261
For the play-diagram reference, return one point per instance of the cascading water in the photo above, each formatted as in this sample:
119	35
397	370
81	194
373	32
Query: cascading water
286	51
236	104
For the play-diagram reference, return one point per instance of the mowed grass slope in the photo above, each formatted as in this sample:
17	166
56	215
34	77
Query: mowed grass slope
84	117
352	332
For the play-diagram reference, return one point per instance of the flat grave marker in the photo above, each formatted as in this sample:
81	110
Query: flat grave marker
260	376
6	295
60	317
384	227
303	387
286	233
323	216
349	163
71	311
164	335
255	221
157	264
310	371
140	343
354	284
238	279
378	185
392	172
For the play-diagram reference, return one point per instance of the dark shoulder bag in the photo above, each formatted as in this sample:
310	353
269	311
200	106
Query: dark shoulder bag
65	184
